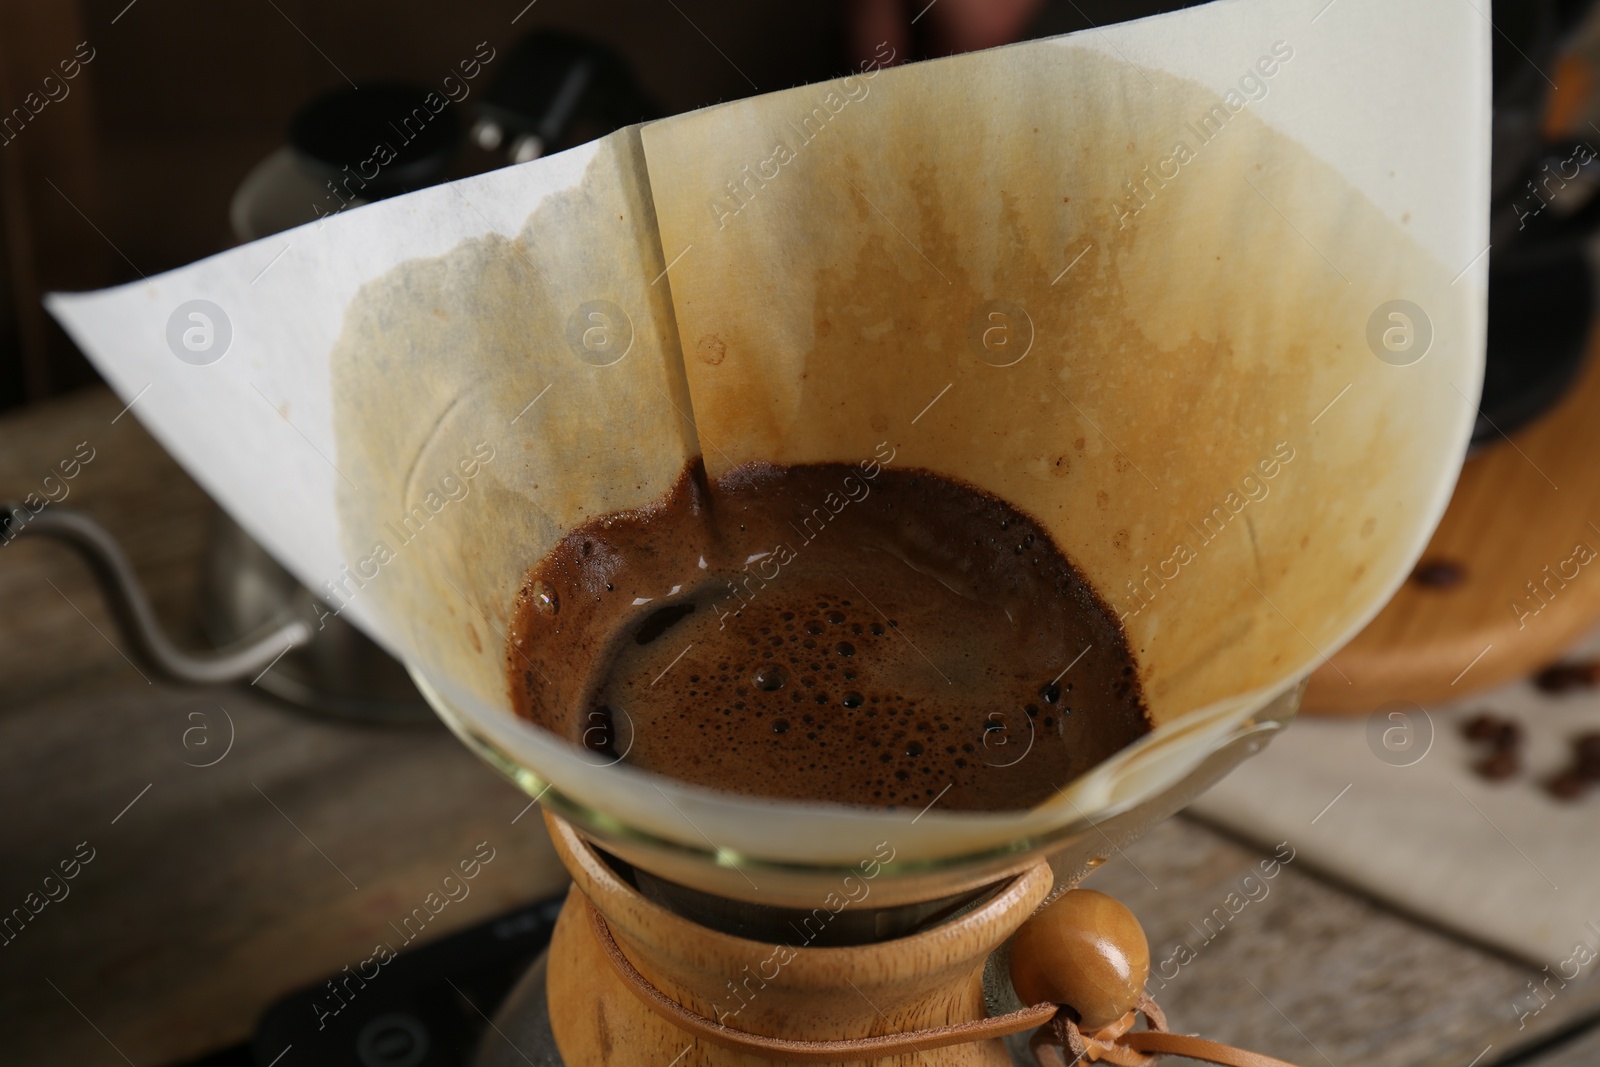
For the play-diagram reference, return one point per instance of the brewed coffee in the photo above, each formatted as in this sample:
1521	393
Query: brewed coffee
854	633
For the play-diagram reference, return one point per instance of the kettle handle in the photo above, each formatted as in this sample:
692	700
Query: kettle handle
248	657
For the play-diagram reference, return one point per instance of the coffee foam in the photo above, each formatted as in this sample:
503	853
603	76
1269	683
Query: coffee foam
888	640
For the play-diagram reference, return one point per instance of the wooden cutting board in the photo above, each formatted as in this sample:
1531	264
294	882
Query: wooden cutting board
1524	528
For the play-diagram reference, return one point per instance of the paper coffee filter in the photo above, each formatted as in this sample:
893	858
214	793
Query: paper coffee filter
1142	378
417	398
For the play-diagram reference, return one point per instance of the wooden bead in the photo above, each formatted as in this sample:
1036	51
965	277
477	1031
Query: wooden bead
1085	951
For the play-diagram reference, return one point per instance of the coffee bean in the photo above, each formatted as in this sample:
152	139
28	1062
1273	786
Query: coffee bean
1508	736
1439	574
1562	677
1499	766
1586	747
1567	786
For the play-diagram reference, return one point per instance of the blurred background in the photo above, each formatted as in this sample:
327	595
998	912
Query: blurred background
131	171
239	846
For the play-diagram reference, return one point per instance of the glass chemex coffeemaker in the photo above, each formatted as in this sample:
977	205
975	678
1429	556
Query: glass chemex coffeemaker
1219	338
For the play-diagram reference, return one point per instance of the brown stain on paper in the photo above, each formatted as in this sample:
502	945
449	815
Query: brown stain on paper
437	364
1178	354
1188	344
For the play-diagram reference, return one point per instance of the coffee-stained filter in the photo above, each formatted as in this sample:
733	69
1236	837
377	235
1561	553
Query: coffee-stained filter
1204	294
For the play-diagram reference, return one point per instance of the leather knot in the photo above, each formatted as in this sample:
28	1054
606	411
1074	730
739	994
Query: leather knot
1061	1035
1122	1045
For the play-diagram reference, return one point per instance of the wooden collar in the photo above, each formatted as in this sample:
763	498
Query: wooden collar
1117	1044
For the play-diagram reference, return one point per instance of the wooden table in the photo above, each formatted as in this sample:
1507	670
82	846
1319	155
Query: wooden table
215	889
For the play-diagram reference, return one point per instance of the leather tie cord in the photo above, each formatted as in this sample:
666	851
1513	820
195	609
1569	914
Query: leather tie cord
1116	1044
